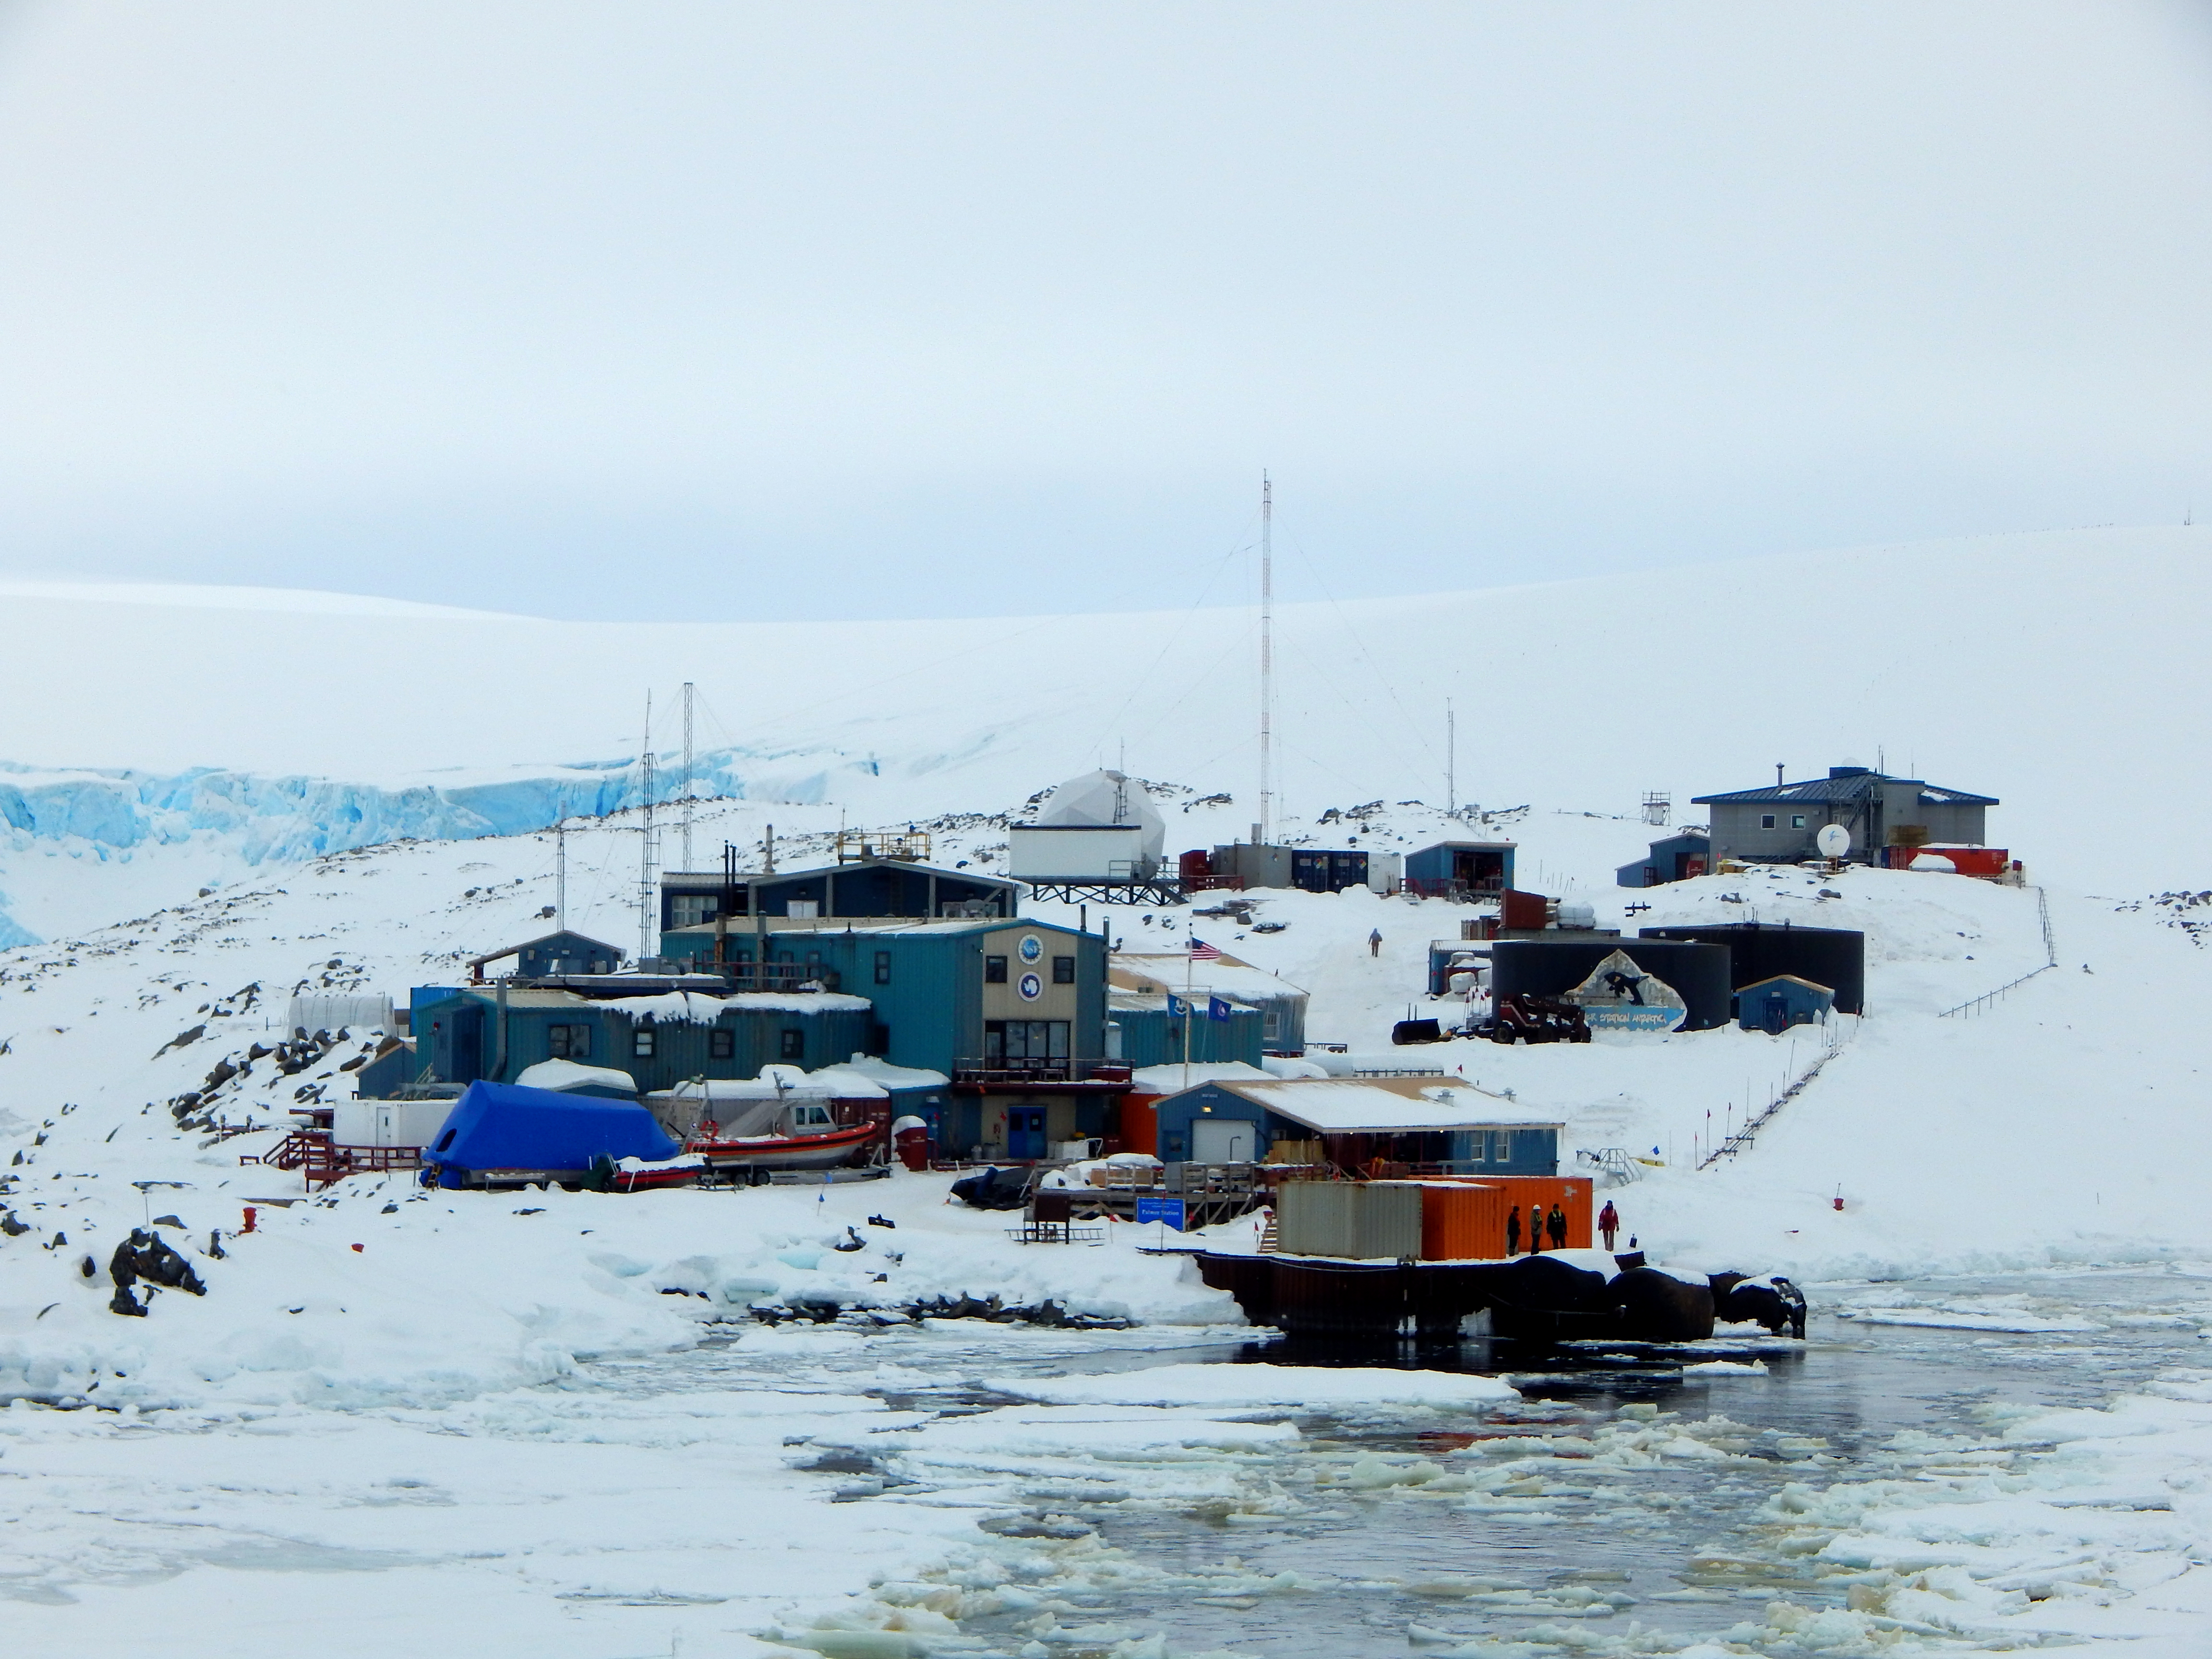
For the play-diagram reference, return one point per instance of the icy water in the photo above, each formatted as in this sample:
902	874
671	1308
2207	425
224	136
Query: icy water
1451	1526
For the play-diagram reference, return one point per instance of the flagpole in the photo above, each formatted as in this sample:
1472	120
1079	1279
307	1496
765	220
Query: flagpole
1186	1013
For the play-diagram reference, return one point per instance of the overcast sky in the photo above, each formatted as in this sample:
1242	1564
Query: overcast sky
764	312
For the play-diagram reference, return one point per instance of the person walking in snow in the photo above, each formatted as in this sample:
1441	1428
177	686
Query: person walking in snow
1375	943
1513	1231
1608	1221
1556	1224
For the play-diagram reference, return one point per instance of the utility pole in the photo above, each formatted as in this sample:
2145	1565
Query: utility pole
690	697
560	877
1267	657
645	897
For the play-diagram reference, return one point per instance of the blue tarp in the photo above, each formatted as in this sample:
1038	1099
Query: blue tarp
501	1126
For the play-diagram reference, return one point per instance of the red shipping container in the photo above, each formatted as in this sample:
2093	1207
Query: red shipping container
1463	1217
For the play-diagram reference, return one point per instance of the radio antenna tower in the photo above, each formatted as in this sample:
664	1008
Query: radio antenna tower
690	697
645	904
1266	658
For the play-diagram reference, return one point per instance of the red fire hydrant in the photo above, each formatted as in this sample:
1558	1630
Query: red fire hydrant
248	1227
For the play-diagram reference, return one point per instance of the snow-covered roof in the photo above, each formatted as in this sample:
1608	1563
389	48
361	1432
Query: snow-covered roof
1165	971
858	1078
1386	1106
564	1074
1172	1080
1851	787
893	1077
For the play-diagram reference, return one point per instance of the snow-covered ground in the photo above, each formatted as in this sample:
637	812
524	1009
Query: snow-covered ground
390	1400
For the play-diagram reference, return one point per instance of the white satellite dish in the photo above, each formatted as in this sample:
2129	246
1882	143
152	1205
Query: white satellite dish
1834	840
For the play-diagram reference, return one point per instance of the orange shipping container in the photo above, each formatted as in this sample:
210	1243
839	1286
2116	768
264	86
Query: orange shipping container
1140	1124
1464	1220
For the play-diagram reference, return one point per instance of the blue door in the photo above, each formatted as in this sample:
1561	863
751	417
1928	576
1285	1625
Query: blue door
1025	1132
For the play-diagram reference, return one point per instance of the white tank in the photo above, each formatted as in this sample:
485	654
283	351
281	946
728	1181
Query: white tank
1099	827
1097	799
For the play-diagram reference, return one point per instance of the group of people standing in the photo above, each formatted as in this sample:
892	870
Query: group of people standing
1552	1224
1539	1224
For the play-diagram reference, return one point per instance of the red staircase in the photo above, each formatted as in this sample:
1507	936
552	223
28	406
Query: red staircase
320	1163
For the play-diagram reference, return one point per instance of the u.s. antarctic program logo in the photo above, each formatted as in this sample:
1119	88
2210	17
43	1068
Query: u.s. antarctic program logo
1030	986
1032	948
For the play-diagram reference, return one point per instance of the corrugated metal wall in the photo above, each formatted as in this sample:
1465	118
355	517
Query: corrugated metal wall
1353	1220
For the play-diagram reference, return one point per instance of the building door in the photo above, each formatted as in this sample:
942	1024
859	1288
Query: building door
1221	1141
1025	1132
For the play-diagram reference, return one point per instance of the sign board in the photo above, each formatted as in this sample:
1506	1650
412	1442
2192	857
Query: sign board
1619	996
1168	1210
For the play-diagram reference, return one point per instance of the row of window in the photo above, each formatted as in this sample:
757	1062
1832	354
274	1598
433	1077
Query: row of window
574	1042
994	970
1766	820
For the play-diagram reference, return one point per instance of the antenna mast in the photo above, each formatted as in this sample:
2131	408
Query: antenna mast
689	698
561	876
1451	760
645	906
1267	657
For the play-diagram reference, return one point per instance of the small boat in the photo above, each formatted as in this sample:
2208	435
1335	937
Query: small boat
809	1147
636	1175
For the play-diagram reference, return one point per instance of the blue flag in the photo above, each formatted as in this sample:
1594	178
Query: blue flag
1178	1008
1216	1008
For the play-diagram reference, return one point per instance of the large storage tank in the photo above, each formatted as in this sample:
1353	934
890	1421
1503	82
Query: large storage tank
1833	957
1101	827
1551	968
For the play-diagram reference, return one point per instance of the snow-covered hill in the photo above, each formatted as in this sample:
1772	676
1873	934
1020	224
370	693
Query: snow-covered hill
2062	672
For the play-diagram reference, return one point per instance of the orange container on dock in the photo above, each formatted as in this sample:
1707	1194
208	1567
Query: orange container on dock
1463	1217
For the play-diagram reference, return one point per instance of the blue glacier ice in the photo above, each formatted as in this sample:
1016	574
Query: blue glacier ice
288	819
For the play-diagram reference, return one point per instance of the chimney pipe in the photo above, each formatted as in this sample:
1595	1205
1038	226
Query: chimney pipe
1778	774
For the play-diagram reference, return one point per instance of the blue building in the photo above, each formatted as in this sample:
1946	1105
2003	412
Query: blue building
1359	1120
1678	857
471	1033
1774	1005
1461	869
564	952
1281	1004
1144	1031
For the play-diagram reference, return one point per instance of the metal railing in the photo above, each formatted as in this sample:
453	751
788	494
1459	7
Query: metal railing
1989	999
1740	1140
993	1070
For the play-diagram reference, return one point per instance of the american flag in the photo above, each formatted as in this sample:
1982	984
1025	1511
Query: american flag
1201	951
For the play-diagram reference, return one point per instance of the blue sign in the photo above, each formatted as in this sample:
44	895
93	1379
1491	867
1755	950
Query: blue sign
1176	1006
1216	1008
1168	1210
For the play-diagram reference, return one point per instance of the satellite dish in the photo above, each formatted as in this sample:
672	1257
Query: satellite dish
1834	840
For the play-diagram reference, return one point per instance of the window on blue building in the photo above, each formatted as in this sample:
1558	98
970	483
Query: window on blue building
883	967
793	1044
1063	970
995	970
640	1042
721	1044
568	1041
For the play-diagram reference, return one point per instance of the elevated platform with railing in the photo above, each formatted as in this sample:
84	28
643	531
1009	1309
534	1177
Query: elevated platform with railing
321	1161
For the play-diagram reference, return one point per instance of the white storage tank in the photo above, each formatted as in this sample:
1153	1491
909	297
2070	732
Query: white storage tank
1101	827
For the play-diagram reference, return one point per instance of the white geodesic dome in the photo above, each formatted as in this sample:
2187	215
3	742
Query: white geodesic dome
1099	800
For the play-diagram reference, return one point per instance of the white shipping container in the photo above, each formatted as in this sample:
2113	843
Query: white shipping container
388	1122
1090	852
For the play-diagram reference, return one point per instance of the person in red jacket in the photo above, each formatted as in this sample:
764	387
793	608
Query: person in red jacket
1608	1221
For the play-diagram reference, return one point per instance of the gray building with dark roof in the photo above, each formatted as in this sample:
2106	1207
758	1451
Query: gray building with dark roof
1778	824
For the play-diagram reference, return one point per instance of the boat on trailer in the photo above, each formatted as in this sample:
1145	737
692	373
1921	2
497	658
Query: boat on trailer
806	1136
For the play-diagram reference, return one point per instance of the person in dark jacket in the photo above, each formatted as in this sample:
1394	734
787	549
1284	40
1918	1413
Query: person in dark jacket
1556	1224
1608	1221
1513	1231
